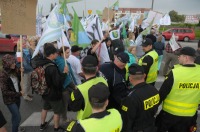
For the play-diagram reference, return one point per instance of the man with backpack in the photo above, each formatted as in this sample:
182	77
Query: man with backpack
52	95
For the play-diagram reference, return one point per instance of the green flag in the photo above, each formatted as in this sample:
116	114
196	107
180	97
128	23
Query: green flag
115	6
124	31
80	35
63	8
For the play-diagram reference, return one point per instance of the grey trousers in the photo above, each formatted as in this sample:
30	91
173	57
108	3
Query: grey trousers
170	60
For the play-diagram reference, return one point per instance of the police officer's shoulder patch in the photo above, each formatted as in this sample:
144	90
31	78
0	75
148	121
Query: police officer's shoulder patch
124	108
72	96
70	126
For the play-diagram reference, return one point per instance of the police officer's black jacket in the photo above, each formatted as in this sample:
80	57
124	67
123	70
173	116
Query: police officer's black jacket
139	108
117	84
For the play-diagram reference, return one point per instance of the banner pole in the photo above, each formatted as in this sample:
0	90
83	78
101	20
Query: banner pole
22	75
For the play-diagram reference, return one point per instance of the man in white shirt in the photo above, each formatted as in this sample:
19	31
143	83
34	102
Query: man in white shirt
75	63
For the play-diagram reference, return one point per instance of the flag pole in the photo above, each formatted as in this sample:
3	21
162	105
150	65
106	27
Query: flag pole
63	51
21	49
63	42
108	10
85	9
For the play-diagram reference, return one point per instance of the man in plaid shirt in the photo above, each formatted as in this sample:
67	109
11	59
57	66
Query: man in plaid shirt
171	58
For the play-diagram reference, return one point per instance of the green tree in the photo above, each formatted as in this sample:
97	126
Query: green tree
175	17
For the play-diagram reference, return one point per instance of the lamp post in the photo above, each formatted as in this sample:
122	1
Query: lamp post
152	4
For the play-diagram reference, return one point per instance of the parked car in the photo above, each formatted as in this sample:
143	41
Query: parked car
184	34
8	43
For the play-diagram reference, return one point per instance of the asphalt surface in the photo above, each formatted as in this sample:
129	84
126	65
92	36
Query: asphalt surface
30	111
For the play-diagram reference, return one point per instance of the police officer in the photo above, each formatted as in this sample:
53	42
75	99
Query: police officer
115	73
79	97
140	106
180	95
149	61
101	120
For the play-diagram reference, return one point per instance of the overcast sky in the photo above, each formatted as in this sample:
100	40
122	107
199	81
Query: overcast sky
188	7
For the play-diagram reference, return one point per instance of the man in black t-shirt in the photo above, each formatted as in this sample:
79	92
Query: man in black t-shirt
94	46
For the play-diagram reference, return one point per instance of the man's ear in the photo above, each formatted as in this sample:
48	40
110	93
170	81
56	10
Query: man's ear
144	75
97	68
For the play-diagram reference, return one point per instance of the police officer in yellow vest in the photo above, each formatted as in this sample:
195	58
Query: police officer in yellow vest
101	120
149	61
79	98
140	106
180	95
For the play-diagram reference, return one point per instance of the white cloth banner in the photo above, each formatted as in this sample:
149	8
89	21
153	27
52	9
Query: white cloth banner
166	20
105	26
173	43
156	16
132	26
63	41
94	31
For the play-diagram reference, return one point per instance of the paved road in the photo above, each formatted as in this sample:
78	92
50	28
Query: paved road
30	111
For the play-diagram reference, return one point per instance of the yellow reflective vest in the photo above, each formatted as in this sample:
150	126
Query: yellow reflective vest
82	114
184	96
109	123
152	75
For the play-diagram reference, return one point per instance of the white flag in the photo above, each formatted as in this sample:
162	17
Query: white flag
166	20
173	43
63	41
132	26
94	31
115	34
105	26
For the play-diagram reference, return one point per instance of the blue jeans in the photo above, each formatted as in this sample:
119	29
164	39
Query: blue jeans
16	117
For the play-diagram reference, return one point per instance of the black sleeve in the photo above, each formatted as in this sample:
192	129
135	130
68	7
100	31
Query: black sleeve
119	92
53	76
128	113
166	86
146	64
74	126
76	101
89	52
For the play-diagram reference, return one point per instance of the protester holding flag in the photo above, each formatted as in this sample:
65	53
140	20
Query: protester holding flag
94	31
95	44
70	81
54	80
110	48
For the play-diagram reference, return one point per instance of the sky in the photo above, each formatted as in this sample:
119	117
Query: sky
186	7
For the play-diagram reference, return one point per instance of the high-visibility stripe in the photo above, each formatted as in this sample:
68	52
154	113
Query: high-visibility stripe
182	112
180	104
